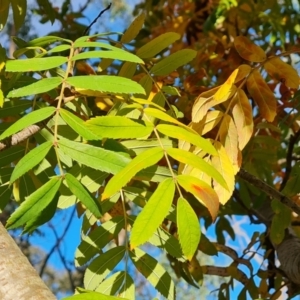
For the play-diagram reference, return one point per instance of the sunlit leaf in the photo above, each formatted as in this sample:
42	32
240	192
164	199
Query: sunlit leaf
41	86
35	210
227	89
283	72
77	124
142	161
35	64
31	159
188	228
242	115
98	239
29	119
173	61
262	95
197	162
249	51
244	71
153	213
157	45
101	266
117	127
118	54
223	164
202	191
83	195
185	135
94	157
105	83
133	29
92	296
229	139
153	272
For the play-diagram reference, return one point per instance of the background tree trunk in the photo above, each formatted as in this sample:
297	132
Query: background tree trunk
18	279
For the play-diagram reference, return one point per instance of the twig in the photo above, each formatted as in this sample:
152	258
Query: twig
95	20
289	157
57	243
270	191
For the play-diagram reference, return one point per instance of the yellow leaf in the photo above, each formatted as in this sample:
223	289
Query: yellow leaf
202	192
227	89
229	139
134	28
244	71
104	103
209	122
262	95
242	115
249	51
202	104
283	72
223	164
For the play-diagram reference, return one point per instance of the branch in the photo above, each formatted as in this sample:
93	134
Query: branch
21	136
18	279
95	20
270	191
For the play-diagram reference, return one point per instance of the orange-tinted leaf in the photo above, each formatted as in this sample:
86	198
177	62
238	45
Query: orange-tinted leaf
262	95
202	191
202	104
223	164
242	115
244	71
249	51
229	139
281	71
227	89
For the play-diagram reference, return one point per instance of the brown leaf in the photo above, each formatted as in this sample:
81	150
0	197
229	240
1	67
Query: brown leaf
262	95
249	51
281	71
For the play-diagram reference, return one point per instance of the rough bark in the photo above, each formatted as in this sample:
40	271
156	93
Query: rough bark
18	279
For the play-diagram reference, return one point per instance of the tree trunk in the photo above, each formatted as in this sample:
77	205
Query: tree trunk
18	279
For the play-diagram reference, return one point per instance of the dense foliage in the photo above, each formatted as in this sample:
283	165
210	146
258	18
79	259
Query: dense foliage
195	125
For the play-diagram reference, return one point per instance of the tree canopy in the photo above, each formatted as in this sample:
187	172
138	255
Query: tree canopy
182	123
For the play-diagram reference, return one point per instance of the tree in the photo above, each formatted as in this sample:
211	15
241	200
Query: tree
196	124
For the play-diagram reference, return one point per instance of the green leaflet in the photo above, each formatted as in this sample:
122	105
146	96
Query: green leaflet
29	119
39	87
142	161
47	40
93	296
188	228
185	135
11	154
32	210
105	83
157	45
154	273
119	282
19	12
197	162
133	29
59	48
101	266
154	173
94	157
14	107
153	213
35	64
83	195
98	239
163	116
113	54
173	61
139	146
30	160
77	124
83	44
119	127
